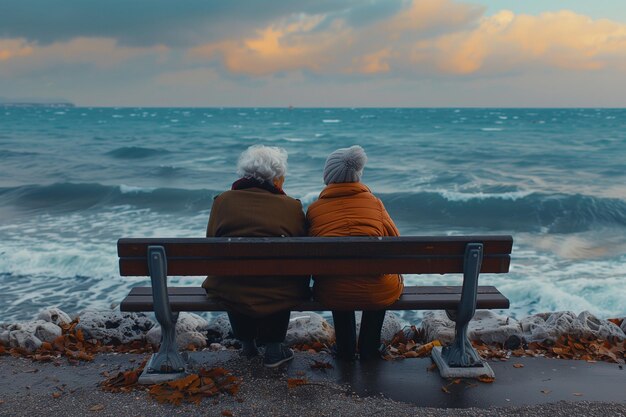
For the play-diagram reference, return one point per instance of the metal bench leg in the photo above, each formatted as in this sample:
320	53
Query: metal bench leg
167	364
460	359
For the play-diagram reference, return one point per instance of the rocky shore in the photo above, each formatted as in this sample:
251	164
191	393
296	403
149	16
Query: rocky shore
305	328
40	378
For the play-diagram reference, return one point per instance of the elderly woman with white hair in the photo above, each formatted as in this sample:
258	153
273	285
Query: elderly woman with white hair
257	206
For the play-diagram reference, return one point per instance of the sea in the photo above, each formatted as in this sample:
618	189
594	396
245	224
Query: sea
74	180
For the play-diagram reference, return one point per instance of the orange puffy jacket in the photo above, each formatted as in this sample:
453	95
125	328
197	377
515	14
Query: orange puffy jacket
350	209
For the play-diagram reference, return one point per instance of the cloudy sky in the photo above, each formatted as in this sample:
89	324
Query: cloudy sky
316	52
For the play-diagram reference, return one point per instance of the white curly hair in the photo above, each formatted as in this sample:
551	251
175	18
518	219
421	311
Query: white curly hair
263	163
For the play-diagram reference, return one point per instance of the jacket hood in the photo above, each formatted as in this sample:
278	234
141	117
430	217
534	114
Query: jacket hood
344	189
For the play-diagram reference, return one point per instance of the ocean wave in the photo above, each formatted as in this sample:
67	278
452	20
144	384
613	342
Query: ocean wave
512	211
505	211
13	154
135	152
68	197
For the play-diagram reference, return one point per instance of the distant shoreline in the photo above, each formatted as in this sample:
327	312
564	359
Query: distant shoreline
247	107
33	104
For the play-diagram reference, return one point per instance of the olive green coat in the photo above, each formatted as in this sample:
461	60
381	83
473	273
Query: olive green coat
255	212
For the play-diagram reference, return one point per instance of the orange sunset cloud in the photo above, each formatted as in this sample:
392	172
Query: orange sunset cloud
10	48
427	37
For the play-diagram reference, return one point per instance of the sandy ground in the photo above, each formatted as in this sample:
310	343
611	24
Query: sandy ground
381	389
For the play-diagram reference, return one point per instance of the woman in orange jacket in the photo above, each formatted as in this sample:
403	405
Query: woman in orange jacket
346	207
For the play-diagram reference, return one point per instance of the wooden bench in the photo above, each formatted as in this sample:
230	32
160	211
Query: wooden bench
467	255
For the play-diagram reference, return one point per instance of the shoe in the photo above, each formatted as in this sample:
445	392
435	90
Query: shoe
275	359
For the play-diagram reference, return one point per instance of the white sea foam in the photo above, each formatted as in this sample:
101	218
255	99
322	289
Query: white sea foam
309	197
331	121
540	282
126	189
491	129
71	260
460	196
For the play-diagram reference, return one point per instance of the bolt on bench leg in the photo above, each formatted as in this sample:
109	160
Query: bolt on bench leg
460	359
167	364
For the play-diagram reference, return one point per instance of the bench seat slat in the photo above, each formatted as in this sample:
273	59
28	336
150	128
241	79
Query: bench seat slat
417	289
314	246
427	298
319	266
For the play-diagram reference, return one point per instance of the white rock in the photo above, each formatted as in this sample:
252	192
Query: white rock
190	330
601	329
534	329
4	338
623	326
393	324
485	326
111	326
216	346
219	329
551	326
307	327
437	326
54	315
24	340
30	335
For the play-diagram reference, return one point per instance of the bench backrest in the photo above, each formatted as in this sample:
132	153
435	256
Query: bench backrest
317	256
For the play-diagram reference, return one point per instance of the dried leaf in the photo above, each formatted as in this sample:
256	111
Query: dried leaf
42	358
518	365
227	413
56	395
578	394
546	391
432	367
445	389
486	379
121	380
296	382
97	407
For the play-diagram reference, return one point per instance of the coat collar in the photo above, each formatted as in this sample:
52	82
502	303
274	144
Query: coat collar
344	189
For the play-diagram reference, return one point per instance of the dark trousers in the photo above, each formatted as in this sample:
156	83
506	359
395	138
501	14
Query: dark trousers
369	335
268	329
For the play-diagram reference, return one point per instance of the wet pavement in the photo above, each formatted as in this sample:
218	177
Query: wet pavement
540	380
533	381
